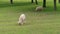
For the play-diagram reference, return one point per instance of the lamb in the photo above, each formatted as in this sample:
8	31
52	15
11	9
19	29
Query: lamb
39	8
21	19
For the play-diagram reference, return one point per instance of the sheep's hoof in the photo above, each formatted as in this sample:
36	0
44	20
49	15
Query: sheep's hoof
20	23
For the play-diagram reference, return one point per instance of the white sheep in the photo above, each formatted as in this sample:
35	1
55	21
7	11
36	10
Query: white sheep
21	19
39	8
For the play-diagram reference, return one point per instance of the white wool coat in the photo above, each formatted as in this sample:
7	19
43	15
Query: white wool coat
21	19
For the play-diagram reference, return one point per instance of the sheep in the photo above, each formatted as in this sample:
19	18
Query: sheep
21	19
39	8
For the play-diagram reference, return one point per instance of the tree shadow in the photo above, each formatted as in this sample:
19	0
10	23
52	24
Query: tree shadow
14	4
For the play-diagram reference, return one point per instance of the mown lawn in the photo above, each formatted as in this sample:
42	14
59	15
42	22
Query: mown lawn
44	22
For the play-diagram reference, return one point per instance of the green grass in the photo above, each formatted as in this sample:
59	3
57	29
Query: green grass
45	22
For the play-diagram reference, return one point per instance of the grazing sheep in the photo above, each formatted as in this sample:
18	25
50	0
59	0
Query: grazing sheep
39	8
21	19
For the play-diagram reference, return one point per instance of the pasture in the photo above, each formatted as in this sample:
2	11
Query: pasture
44	22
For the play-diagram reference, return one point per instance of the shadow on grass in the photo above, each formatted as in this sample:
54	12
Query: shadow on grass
14	4
31	7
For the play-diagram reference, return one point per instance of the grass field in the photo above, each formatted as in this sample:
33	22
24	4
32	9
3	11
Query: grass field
45	22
